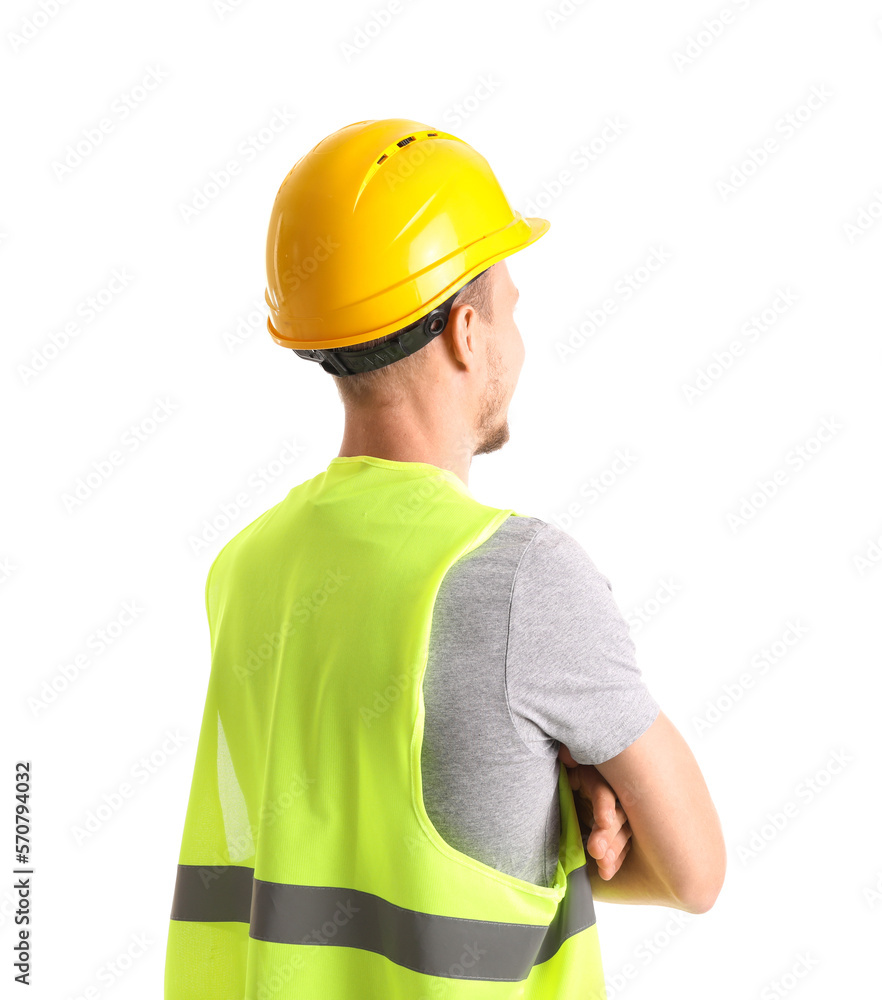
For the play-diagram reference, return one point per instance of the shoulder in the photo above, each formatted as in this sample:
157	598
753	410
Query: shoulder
539	565
544	543
240	545
556	563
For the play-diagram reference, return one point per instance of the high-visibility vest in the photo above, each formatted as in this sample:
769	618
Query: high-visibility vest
309	867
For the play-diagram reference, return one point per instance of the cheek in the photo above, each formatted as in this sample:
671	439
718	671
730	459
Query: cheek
521	349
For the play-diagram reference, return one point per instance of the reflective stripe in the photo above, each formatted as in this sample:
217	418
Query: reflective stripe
207	894
452	947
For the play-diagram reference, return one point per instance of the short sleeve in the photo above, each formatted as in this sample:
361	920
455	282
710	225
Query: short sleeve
571	669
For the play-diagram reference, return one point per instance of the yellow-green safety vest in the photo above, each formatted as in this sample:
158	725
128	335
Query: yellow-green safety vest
309	867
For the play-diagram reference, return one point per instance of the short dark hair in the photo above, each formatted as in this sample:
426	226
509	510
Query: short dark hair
356	388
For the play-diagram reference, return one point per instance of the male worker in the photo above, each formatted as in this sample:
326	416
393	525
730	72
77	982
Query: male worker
378	807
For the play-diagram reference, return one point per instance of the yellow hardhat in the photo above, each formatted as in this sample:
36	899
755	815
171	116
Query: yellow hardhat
376	229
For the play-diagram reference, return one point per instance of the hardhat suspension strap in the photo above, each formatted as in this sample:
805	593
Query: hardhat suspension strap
408	341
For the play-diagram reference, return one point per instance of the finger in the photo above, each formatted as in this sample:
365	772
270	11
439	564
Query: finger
607	848
603	797
601	845
607	829
565	755
612	861
606	869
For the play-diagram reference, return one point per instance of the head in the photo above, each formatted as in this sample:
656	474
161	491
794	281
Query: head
453	393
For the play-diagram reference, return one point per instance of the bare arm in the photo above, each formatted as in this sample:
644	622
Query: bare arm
677	856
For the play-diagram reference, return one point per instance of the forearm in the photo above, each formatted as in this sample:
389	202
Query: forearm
670	815
635	882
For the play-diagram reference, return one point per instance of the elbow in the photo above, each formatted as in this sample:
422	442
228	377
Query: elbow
699	903
700	897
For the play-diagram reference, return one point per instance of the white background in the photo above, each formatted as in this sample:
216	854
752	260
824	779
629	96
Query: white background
528	84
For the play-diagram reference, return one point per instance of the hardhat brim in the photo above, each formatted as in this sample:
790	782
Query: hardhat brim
537	227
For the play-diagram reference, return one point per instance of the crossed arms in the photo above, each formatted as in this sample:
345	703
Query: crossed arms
650	808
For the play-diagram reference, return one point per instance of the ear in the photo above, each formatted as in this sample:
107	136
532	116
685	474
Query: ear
461	334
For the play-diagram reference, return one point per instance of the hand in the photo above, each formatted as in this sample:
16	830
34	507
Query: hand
601	817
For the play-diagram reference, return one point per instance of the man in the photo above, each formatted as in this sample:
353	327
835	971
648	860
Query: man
378	807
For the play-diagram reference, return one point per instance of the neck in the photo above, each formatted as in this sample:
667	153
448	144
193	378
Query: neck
399	438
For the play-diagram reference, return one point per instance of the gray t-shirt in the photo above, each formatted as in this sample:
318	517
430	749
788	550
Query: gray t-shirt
528	650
